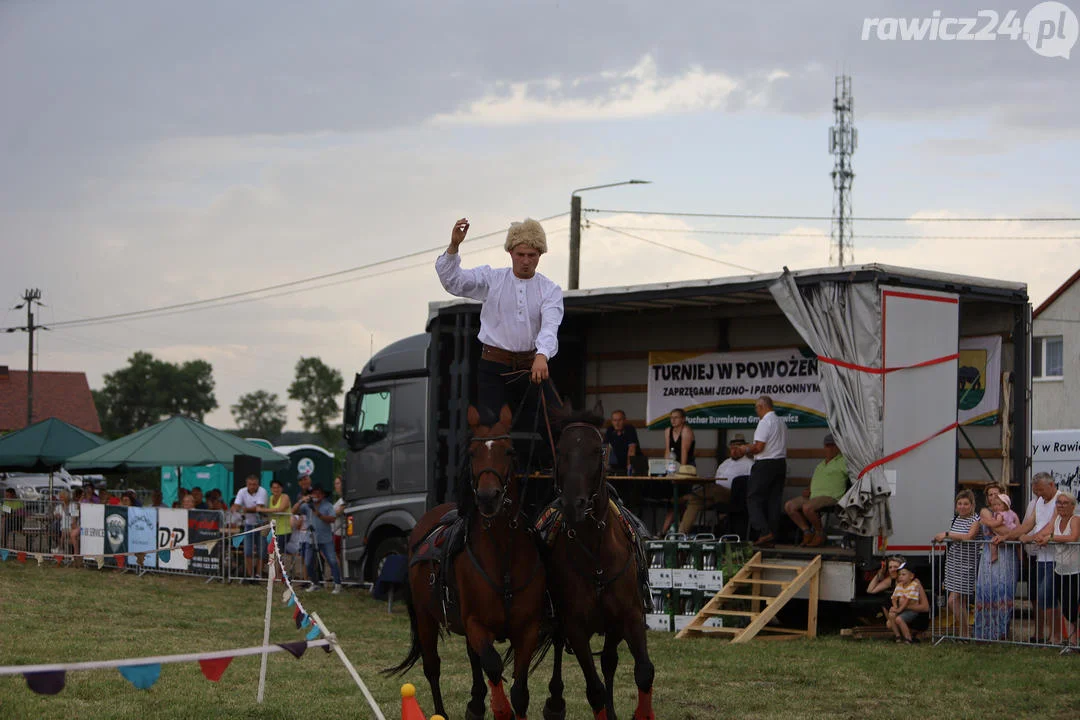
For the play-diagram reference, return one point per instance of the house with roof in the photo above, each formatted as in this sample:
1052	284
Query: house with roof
63	395
1055	359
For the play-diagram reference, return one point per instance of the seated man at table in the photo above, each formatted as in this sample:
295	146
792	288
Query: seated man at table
623	440
736	465
827	486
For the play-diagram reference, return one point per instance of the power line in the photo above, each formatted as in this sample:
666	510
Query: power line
672	248
698	231
293	291
292	283
735	216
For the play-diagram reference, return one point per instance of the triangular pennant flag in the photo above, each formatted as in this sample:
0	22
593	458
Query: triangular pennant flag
209	547
271	547
164	555
40	559
238	540
45	683
21	557
3	555
100	560
292	600
141	676
59	559
140	558
305	622
286	595
121	561
296	649
214	669
189	551
313	633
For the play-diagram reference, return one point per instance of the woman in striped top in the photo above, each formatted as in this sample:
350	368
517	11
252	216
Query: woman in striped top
961	560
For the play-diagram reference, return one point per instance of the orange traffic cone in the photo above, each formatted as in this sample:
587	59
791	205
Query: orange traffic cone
410	709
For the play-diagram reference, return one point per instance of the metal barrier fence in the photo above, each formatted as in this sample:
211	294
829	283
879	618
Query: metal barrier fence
137	539
1016	593
293	554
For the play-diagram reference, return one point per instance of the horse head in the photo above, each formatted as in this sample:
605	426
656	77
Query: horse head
580	468
491	460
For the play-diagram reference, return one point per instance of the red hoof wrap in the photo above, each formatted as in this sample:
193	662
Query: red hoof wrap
500	706
644	709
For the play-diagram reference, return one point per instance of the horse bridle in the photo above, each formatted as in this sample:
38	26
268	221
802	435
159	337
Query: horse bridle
503	478
590	506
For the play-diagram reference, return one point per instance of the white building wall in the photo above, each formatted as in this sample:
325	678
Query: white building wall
1056	403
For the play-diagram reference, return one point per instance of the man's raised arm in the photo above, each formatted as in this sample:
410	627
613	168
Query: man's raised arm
456	280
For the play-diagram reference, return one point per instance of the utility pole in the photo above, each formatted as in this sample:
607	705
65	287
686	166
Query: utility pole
30	297
575	228
843	139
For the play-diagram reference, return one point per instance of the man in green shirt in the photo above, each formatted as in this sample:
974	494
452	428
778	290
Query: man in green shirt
827	486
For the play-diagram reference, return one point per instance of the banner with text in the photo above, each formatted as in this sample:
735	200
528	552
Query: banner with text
718	390
979	380
92	529
172	532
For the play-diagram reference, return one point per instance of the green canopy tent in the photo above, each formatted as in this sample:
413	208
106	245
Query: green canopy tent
178	441
44	446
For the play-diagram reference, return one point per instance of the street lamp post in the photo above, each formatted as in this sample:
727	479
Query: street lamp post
575	228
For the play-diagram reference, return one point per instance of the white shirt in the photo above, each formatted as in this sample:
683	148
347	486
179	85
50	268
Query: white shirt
772	431
248	501
731	469
1044	513
518	315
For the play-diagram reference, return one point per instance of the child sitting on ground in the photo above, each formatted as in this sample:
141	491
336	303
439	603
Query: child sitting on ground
908	600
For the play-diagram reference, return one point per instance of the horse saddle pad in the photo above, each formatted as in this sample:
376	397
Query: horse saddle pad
442	538
551	522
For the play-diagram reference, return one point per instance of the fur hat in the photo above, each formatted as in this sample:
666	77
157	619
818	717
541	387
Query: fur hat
528	232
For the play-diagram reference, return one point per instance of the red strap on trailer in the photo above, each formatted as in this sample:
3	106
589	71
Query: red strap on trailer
906	450
886	371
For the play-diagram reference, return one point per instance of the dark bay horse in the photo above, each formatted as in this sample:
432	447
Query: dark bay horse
592	578
498	580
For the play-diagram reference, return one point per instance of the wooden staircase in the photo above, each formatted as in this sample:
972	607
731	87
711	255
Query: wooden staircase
750	585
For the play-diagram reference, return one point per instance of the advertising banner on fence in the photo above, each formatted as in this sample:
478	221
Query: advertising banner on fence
142	534
979	380
91	529
172	531
1057	452
116	531
718	390
205	525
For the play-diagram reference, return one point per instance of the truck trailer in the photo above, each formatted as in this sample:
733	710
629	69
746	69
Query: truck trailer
888	342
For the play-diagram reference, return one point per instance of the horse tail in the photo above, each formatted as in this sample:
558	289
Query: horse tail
549	629
415	650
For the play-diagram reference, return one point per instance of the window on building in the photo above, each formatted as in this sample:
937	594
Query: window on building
1048	357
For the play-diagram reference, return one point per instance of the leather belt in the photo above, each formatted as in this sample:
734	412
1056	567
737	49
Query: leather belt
513	360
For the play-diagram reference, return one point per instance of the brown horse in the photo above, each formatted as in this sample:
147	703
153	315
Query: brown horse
498	579
592	573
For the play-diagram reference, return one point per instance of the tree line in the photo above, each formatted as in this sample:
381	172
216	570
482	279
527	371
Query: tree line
148	390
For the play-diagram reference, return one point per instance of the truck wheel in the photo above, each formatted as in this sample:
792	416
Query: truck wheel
388	546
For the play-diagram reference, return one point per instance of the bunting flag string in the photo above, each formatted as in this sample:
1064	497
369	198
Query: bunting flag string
143	673
289	596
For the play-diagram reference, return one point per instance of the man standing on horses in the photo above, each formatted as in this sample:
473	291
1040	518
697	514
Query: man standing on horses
519	321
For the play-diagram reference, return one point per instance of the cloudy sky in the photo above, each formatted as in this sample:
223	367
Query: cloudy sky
154	154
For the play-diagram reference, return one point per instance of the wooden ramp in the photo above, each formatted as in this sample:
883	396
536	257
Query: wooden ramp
750	595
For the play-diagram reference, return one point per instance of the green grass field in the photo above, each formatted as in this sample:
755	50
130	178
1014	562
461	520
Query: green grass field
52	614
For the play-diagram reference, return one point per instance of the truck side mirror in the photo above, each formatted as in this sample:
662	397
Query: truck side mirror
352	407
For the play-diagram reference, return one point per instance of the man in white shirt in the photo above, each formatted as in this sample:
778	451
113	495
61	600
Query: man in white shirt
720	491
519	320
1040	513
766	490
252	499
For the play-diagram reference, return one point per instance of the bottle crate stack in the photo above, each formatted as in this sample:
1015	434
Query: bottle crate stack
684	574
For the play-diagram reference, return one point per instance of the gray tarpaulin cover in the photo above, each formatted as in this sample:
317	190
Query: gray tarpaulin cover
843	321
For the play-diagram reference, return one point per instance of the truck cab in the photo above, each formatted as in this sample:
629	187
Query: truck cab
385	479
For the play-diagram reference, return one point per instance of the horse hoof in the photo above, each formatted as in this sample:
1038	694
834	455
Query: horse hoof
554	710
470	715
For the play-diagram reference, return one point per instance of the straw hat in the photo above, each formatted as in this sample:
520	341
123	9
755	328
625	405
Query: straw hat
685	471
